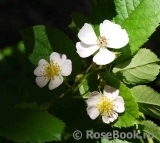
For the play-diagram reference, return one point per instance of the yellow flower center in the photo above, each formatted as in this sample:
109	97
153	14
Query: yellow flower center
105	106
52	69
102	41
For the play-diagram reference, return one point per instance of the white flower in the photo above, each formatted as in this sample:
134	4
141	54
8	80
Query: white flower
108	104
59	66
111	35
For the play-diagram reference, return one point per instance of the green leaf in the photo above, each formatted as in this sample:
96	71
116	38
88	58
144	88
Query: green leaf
152	129
140	18
87	83
96	30
139	69
78	20
83	87
36	43
61	43
30	125
130	116
148	100
44	40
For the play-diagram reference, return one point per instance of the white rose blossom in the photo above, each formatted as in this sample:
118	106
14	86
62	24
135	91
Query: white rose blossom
108	104
111	35
54	71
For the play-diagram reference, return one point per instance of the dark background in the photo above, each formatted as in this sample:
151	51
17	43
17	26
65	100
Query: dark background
20	14
16	15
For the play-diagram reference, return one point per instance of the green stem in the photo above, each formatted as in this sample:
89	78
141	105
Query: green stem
110	67
91	65
99	68
75	88
75	85
67	84
141	140
142	115
61	96
150	140
106	70
64	93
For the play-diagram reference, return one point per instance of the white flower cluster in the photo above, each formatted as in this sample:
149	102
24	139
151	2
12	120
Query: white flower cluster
59	66
108	104
111	36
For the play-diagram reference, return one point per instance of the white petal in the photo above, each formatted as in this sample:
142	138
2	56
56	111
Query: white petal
109	119
115	115
87	34
58	58
92	112
85	50
41	81
55	82
108	27
94	98
66	68
104	57
105	119
39	71
110	92
42	62
119	105
120	40
116	37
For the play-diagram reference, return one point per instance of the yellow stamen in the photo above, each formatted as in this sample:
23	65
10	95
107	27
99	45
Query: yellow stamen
102	41
105	106
51	70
